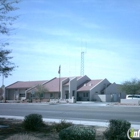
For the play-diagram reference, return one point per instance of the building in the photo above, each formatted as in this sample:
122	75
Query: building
80	88
18	90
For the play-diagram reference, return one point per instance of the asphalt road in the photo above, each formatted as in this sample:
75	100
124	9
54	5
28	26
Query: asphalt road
86	112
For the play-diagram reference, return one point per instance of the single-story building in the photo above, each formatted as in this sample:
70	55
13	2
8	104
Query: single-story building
17	90
82	88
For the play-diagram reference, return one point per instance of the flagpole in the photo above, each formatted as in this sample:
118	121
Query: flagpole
59	80
59	85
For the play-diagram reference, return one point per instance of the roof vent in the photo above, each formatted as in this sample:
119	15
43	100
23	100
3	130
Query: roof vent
90	84
85	85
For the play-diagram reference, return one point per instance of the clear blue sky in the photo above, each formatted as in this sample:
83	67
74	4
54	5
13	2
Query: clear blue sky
53	32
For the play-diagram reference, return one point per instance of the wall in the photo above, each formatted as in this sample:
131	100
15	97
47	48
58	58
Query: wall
102	98
81	97
82	80
130	101
98	88
115	90
64	88
10	94
55	95
73	87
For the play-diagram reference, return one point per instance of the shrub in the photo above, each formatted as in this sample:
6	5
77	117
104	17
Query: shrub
33	122
60	126
77	133
22	137
117	130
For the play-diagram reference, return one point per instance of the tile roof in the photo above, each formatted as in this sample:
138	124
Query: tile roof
53	85
25	84
86	86
78	77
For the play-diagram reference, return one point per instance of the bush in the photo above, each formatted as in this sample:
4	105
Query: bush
77	133
33	122
22	137
60	126
117	130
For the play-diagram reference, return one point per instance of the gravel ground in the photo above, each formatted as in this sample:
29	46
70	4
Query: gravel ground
15	128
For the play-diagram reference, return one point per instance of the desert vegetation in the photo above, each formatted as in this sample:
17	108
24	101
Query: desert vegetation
33	128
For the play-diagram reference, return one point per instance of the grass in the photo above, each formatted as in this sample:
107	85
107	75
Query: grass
49	131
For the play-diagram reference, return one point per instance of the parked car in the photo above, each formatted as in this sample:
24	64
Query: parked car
132	96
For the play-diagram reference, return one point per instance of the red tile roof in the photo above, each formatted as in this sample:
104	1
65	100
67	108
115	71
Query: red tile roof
86	86
25	84
53	85
78	77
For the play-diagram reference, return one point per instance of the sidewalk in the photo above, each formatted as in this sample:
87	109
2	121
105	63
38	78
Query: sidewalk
113	104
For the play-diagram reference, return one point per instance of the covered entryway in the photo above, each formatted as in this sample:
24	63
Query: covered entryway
82	96
67	94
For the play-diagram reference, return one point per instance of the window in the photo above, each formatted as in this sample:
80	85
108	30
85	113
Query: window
22	94
51	95
73	93
85	94
42	95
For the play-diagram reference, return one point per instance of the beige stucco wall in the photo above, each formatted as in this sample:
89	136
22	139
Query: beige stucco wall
73	87
64	88
115	90
130	101
98	88
10	94
81	96
48	95
14	94
82	80
102	98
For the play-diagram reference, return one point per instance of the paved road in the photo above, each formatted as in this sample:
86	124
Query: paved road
84	112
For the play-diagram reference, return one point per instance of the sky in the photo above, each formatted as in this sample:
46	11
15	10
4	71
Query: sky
49	33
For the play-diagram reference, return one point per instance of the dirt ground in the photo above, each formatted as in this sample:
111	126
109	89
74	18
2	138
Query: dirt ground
15	127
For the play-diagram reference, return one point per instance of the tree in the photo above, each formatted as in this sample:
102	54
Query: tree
6	21
131	87
5	65
40	91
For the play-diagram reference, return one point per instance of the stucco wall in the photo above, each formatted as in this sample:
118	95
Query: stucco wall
115	90
64	88
81	97
130	101
102	98
73	87
98	88
10	94
82	80
48	95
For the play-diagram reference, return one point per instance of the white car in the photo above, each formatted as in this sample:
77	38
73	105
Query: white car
132	96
